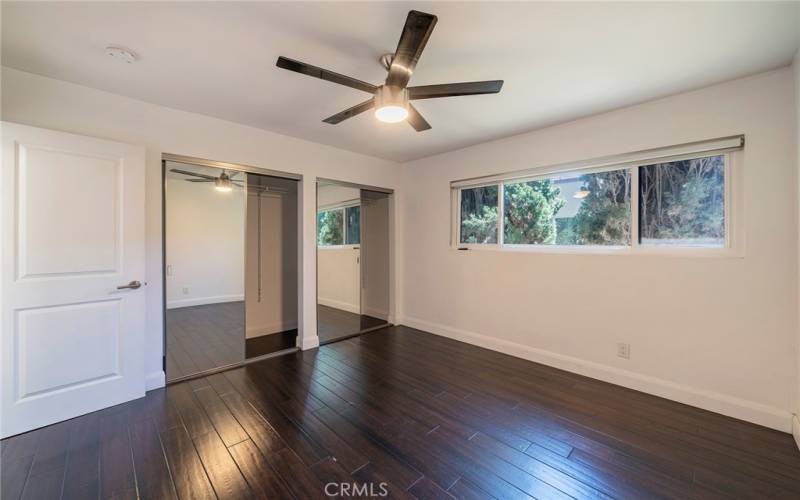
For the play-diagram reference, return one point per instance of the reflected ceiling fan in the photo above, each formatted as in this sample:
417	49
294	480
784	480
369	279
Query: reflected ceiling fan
391	99
222	183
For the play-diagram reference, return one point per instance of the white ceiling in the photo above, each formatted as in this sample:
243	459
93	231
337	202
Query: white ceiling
560	61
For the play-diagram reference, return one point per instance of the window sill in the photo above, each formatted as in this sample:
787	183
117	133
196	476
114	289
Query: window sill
686	252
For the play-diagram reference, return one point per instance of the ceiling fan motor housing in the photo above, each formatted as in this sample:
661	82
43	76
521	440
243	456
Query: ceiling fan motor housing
388	95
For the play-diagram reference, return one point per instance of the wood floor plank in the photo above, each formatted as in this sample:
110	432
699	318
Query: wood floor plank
221	417
117	478
263	481
222	470
152	474
187	470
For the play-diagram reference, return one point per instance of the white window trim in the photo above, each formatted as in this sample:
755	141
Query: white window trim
733	207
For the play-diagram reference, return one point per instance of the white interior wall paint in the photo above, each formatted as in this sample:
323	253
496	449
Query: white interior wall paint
711	332
205	244
48	103
796	71
276	308
339	278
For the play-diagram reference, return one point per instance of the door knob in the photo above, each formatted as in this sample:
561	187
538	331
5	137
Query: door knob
133	285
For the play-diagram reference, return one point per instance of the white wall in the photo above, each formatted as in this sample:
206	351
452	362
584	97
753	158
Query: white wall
45	102
796	69
727	342
339	278
205	244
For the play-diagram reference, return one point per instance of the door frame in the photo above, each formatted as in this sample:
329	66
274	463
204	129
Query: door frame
189	160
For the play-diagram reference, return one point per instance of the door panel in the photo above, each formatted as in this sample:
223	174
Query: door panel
86	234
72	232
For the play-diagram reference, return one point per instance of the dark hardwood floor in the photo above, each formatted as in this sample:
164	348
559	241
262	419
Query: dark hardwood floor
426	416
201	338
334	324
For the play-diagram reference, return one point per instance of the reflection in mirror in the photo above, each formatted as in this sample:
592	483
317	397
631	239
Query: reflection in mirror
271	260
230	267
204	234
352	262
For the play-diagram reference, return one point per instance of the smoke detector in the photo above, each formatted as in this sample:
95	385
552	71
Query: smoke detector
121	54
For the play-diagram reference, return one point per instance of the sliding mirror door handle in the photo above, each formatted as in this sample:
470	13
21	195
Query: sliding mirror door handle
133	285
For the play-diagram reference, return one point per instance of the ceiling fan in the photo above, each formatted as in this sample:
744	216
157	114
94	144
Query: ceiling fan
391	99
222	183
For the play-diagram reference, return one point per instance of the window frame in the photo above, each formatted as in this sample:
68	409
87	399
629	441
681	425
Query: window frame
331	208
732	248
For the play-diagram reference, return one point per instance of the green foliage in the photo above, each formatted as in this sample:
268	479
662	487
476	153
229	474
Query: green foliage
604	217
683	200
479	215
530	209
329	227
480	227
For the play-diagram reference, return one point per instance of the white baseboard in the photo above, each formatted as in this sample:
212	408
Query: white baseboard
155	380
336	304
307	343
757	413
796	430
268	329
201	301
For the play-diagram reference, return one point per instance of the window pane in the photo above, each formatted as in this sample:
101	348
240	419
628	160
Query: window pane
479	215
683	202
329	227
569	209
353	225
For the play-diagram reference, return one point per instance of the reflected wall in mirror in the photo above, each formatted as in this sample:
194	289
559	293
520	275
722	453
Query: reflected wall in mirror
271	261
204	235
352	261
230	267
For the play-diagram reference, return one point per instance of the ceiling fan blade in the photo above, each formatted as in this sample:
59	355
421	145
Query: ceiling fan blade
195	174
350	112
455	89
416	32
200	180
416	120
324	74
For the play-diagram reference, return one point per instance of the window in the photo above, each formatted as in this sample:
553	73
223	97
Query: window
479	215
330	226
339	226
677	203
683	203
570	209
353	221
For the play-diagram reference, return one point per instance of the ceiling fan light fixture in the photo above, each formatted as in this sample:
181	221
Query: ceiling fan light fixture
391	104
223	183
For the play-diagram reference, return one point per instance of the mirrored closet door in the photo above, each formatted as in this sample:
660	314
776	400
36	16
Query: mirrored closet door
230	267
352	260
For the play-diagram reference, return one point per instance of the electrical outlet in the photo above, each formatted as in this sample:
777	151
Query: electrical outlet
624	350
186	290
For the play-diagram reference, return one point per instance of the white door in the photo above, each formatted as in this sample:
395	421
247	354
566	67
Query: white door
72	232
